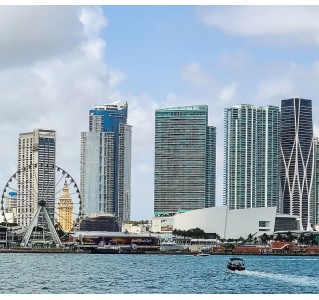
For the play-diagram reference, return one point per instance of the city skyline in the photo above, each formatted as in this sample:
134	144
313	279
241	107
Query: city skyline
152	57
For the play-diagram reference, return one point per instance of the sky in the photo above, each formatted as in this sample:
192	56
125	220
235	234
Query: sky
58	62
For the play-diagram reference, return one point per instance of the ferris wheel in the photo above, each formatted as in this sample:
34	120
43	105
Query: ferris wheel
40	200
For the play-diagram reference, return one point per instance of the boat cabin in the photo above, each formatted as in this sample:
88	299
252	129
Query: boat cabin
236	264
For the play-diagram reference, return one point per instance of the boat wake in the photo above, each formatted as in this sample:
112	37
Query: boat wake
293	279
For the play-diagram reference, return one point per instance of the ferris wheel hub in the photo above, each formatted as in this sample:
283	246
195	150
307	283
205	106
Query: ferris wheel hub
41	203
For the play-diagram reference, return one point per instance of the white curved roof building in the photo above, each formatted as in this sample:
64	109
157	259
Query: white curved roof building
227	223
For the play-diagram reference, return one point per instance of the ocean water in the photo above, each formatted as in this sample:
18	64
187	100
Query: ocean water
27	273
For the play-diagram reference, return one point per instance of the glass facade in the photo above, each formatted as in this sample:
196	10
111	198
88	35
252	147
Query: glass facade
37	147
185	160
251	153
106	162
316	182
297	159
100	223
287	224
268	157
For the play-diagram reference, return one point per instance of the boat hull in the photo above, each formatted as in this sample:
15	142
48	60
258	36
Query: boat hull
236	268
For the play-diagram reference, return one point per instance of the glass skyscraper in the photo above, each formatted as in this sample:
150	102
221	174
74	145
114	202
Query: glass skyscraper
316	182
268	157
106	162
251	156
185	160
297	167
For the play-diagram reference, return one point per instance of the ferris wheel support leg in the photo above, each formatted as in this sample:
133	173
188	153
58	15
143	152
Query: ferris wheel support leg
55	236
34	222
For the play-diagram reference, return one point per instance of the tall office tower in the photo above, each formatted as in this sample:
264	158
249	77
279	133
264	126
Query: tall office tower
36	148
251	156
106	162
297	159
316	183
185	159
268	157
65	209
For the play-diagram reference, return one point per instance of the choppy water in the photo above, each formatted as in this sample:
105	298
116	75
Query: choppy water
155	274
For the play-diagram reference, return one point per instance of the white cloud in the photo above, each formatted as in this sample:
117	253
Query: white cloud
52	91
93	20
227	93
194	74
30	33
237	60
275	88
285	22
93	49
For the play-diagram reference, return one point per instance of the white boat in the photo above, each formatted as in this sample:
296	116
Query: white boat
170	245
236	264
201	254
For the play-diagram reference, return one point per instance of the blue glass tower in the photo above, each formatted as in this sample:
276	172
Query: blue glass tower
106	162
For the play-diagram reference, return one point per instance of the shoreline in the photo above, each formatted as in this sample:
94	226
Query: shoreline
69	251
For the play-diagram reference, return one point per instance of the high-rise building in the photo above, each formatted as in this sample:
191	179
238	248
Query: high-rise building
106	162
251	156
268	157
185	160
316	182
37	148
65	209
297	168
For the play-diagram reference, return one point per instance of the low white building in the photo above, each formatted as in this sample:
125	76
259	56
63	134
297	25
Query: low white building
10	217
162	224
230	223
130	228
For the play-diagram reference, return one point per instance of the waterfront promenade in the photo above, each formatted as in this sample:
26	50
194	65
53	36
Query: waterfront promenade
249	250
41	250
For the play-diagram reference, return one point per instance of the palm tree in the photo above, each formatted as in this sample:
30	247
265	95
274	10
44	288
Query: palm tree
176	232
250	237
241	240
312	239
264	238
290	237
279	237
196	233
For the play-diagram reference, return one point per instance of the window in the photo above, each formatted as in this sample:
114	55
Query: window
264	223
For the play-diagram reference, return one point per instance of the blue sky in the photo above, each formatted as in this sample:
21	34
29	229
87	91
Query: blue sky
57	62
148	43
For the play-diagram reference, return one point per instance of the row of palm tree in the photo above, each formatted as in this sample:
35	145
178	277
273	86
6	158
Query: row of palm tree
194	233
303	239
135	223
197	233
